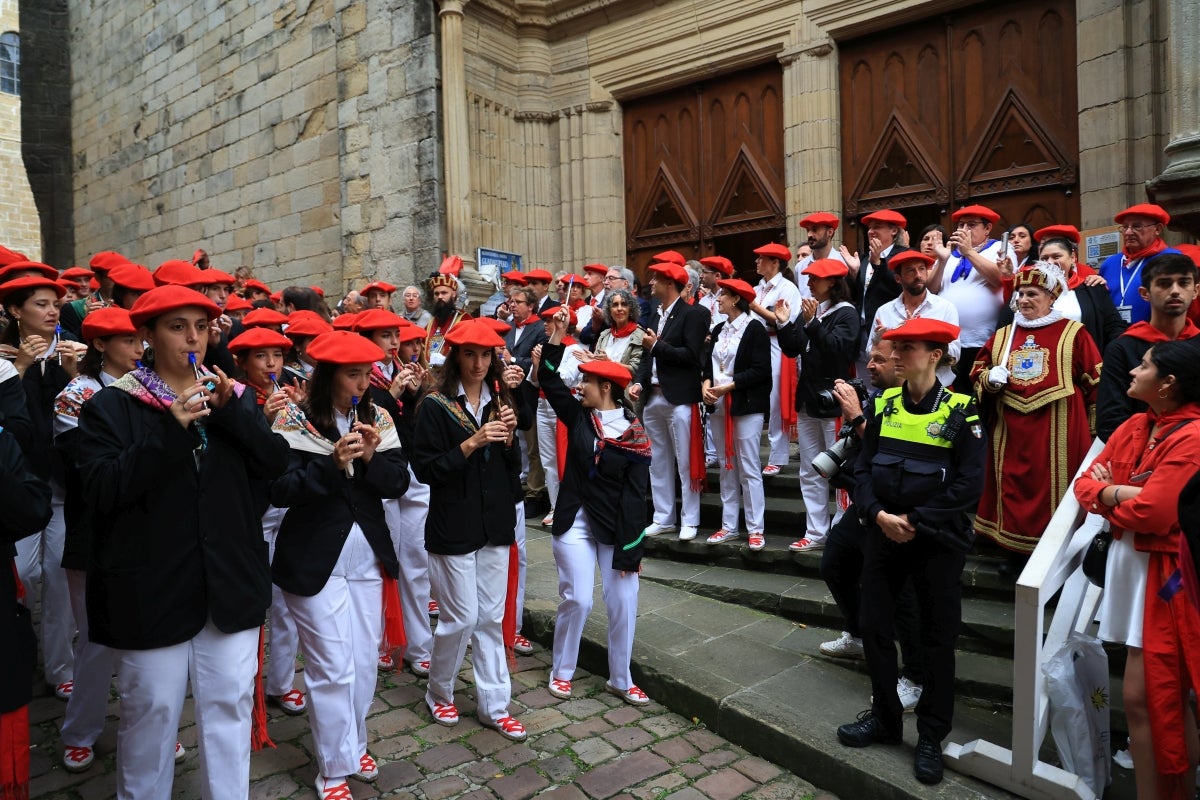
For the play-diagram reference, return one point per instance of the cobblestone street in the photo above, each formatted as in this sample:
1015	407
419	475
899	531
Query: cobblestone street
592	746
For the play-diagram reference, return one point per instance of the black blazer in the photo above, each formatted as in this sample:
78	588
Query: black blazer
544	303
322	504
472	502
41	389
532	335
1097	312
751	369
883	288
678	353
828	349
612	490
174	544
14	412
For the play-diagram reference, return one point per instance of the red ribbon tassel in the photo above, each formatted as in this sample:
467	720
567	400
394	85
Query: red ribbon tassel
393	616
788	378
698	472
258	717
508	628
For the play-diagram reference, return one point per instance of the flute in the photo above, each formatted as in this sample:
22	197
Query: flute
353	419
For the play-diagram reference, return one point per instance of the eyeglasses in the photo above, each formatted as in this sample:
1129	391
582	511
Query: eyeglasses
1134	227
965	224
519	302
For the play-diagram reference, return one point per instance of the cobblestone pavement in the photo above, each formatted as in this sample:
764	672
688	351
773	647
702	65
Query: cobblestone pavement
590	747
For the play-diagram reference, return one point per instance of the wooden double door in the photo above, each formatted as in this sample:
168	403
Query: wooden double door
704	169
978	106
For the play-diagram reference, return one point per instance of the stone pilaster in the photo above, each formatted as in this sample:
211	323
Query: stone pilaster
593	209
1177	188
812	132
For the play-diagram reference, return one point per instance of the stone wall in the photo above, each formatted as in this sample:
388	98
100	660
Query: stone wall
19	224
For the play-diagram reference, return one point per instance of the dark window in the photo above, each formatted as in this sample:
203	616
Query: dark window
10	63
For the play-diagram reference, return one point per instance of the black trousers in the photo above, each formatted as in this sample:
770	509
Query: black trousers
841	569
962	370
936	574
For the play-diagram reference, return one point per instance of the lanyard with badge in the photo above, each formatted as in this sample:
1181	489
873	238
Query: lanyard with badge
1126	308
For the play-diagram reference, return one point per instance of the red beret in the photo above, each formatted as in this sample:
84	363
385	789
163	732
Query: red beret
599	269
306	323
109	321
499	326
264	317
256	285
474	333
897	260
28	268
343	322
386	288
276	297
179	273
539	275
29	282
775	250
671	257
68	284
513	276
199	254
720	263
238	303
320	292
923	329
672	271
215	277
132	276
107	259
1068	232
572	317
344	347
887	217
451	265
608	371
1191	251
738	287
983	212
75	273
376	319
820	218
826	268
10	256
257	338
410	333
1156	213
162	299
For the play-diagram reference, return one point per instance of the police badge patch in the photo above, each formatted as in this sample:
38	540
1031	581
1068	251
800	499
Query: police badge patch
977	431
934	429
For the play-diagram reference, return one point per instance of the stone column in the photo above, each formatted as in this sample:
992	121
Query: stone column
1177	189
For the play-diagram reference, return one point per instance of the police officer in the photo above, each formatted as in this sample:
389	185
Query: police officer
918	481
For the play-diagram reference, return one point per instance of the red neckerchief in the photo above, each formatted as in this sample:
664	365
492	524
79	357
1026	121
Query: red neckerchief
634	442
1076	278
575	305
1157	246
624	330
528	320
260	396
568	341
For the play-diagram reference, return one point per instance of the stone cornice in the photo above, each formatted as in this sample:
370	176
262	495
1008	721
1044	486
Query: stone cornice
546	14
845	20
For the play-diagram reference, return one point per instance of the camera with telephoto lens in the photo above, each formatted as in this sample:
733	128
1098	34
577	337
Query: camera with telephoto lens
830	462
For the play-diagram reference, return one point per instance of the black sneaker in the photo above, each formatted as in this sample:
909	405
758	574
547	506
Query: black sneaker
927	763
867	730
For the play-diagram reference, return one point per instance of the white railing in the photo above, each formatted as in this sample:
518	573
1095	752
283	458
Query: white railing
1054	565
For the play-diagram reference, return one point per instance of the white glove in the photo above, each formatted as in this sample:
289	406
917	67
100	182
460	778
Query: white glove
997	377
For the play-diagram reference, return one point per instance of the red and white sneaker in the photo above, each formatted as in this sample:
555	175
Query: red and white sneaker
770	470
433	608
333	789
722	536
77	759
444	713
633	695
806	545
180	752
508	727
560	688
291	703
63	690
387	663
368	770
757	541
522	646
419	668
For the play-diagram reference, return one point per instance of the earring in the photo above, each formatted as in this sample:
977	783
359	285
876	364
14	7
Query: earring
1161	395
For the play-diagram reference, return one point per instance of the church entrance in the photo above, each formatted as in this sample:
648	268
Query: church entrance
704	169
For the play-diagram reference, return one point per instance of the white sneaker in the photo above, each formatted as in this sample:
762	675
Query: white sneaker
845	646
909	693
687	533
654	529
806	545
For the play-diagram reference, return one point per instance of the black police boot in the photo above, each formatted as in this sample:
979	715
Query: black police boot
867	730
927	763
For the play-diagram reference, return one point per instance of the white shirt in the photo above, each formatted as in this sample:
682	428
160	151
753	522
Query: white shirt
612	422
485	397
709	301
978	304
891	315
726	347
770	292
1068	304
663	315
802	264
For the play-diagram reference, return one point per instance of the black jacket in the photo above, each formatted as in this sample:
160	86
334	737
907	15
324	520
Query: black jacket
677	353
751	369
41	388
1097	313
174	544
323	504
25	499
612	490
828	349
532	335
472	502
14	410
883	288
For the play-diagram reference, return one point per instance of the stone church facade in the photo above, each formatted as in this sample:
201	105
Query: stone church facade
336	141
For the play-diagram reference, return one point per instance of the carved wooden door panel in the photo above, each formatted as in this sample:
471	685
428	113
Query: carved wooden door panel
704	162
979	106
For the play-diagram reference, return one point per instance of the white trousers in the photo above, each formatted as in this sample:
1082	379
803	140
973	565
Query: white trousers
39	558
814	435
152	685
577	554
670	428
406	522
776	434
340	627
742	486
94	667
547	437
284	642
471	589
